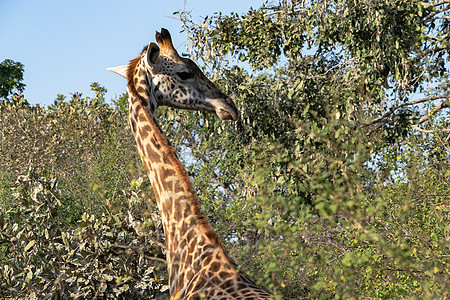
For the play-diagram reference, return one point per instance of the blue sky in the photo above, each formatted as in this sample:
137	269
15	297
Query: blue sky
66	45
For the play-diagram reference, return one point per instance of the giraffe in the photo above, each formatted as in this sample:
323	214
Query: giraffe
197	263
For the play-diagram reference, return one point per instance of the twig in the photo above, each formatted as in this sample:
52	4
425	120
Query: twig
430	131
437	38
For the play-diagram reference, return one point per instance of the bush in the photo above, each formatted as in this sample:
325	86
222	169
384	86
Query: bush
111	256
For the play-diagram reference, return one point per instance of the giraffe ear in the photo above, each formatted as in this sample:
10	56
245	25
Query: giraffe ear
152	54
120	70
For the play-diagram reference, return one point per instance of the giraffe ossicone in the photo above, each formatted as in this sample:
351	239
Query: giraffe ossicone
198	265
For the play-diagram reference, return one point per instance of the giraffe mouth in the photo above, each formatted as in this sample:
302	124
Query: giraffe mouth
225	109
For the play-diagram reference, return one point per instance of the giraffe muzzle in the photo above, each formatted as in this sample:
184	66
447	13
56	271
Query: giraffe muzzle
225	108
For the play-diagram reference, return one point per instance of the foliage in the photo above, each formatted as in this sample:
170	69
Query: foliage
111	256
304	186
381	51
84	142
11	76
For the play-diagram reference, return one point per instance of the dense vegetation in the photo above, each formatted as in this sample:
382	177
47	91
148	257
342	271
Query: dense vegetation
334	183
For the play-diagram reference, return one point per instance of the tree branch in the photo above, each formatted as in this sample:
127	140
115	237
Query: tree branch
391	111
430	131
435	49
437	38
437	108
438	18
427	5
432	14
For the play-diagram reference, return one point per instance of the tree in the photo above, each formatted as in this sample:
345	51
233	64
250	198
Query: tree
11	76
329	94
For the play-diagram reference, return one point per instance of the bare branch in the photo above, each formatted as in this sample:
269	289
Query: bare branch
346	62
391	111
432	14
437	108
427	5
438	18
431	131
435	49
437	38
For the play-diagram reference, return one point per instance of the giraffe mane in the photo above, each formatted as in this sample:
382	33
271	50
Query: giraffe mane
130	73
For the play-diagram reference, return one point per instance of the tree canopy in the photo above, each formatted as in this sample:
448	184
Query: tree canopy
11	77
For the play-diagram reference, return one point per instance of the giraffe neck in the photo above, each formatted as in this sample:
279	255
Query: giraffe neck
191	242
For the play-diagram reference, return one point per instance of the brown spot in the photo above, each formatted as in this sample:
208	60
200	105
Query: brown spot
241	286
146	128
167	172
189	275
138	108
190	236
144	132
215	267
166	206
207	260
177	215
155	142
188	260
181	281
200	283
224	275
192	247
152	155
178	188
227	284
184	228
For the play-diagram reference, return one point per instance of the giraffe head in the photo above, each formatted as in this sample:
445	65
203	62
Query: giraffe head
174	81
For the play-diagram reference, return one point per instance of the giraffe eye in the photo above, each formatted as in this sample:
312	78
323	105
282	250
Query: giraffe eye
185	75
